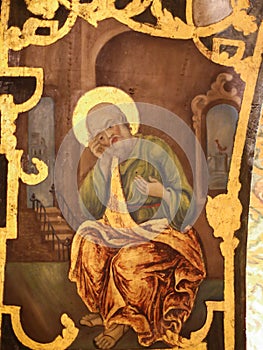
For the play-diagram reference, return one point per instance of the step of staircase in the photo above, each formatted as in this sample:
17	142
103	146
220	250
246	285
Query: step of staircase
29	247
61	227
53	211
61	236
53	218
36	243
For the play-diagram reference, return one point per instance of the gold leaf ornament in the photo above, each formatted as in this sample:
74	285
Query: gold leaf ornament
44	8
69	333
171	26
232	209
34	179
16	40
245	23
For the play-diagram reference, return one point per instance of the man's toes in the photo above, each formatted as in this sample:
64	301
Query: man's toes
84	320
105	343
99	337
99	341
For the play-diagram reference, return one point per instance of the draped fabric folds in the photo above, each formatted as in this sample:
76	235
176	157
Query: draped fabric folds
149	285
143	275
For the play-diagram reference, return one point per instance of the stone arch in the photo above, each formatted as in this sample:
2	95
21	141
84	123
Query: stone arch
107	31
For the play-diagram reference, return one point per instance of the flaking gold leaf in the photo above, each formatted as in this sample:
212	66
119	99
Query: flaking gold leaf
231	207
33	179
245	23
44	8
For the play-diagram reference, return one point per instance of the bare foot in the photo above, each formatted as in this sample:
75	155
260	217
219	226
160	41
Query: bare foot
107	339
91	320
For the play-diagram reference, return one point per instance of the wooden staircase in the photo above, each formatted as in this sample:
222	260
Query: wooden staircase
29	245
62	229
54	229
43	234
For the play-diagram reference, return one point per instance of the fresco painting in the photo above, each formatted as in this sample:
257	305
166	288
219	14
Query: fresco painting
124	177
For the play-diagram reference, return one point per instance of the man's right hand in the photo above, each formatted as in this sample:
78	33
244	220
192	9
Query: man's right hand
96	147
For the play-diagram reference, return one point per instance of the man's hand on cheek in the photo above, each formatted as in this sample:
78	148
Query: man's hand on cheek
96	148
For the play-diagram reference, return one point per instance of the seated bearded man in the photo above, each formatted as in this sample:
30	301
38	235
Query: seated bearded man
133	263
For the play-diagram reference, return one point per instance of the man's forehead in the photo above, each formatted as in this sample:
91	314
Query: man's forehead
103	118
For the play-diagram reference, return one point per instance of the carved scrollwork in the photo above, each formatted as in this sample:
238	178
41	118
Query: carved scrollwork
46	9
222	57
241	22
198	336
222	91
166	25
218	91
69	333
16	38
9	113
34	179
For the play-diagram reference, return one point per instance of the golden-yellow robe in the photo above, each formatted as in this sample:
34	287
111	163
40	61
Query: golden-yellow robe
136	268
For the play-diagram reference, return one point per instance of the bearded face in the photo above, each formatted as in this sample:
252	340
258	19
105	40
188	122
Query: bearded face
107	127
111	137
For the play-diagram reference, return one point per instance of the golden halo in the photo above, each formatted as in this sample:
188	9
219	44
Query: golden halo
103	94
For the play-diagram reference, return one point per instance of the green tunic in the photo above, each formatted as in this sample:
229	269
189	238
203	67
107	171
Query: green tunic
151	157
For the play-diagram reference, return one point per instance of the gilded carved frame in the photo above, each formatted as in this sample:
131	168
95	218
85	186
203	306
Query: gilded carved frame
202	103
167	26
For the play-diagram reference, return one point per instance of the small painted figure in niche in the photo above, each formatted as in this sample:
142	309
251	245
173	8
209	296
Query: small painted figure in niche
221	121
136	262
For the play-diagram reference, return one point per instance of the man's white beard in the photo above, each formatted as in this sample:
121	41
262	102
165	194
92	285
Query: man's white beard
122	149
